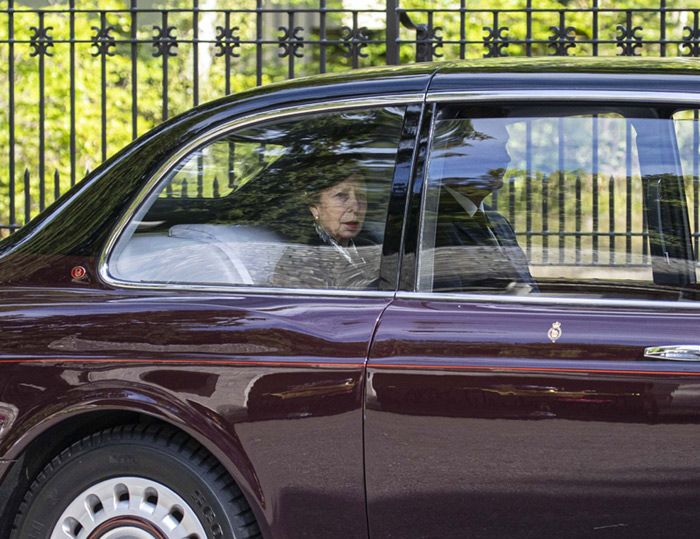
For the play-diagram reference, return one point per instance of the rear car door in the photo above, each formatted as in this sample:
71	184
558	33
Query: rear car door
516	387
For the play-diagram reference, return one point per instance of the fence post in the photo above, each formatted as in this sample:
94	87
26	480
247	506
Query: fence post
424	41
392	32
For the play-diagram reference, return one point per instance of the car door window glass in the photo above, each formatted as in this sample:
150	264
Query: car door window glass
555	201
298	203
687	128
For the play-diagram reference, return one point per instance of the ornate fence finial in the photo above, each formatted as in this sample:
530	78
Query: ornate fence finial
495	41
563	37
228	42
103	41
354	41
290	41
164	41
627	38
41	41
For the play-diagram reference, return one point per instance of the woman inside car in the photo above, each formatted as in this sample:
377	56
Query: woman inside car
332	250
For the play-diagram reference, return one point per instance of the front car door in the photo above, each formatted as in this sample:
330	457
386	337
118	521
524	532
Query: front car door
223	310
514	388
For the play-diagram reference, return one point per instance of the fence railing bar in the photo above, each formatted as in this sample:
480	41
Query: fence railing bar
11	110
560	187
528	28
495	196
536	264
645	236
73	135
696	181
578	218
227	57
595	27
662	28
258	45
595	7
528	184
27	197
323	36
245	11
595	165
628	188
188	41
231	163
41	50
341	43
583	234
165	53
195	52
611	217
511	202
103	91
462	30
56	184
545	218
292	46
134	70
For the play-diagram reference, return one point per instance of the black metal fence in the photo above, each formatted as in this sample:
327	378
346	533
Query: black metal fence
79	79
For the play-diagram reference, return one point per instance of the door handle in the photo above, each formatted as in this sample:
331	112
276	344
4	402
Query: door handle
681	352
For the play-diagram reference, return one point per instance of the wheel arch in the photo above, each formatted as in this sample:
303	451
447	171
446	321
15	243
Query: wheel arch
45	438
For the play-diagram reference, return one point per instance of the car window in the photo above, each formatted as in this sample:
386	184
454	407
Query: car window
293	203
562	201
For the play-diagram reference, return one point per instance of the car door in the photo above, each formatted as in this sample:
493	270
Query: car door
198	323
515	388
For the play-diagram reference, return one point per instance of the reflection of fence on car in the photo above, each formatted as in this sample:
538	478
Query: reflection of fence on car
578	219
587	210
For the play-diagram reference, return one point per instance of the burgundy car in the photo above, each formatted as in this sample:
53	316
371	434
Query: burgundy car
445	300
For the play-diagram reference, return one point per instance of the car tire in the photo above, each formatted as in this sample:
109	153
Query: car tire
134	481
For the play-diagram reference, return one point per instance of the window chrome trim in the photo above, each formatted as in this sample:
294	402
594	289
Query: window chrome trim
243	121
681	98
563	302
243	290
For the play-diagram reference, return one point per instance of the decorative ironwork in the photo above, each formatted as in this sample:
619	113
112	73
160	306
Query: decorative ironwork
41	41
628	40
403	40
354	41
164	41
227	42
103	41
496	40
691	41
563	37
428	41
290	42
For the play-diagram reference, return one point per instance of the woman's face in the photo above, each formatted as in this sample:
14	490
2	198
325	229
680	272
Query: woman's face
341	209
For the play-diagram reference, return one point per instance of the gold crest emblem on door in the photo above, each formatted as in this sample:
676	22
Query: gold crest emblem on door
554	332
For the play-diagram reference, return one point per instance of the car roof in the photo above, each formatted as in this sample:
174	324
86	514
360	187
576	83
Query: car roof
444	75
565	64
573	77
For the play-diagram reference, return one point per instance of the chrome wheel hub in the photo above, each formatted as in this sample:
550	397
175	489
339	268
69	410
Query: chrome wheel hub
128	508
